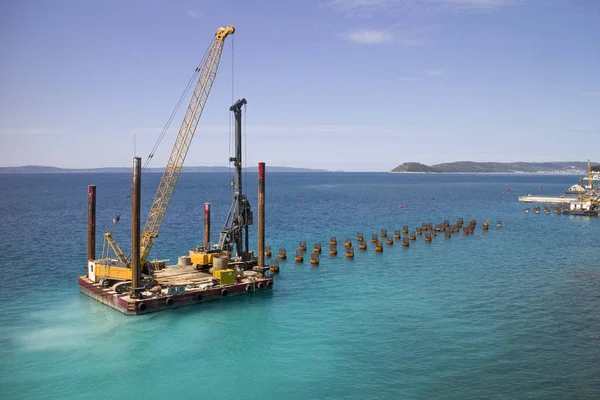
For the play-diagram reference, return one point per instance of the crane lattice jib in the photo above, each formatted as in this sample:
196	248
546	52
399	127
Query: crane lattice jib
206	77
115	248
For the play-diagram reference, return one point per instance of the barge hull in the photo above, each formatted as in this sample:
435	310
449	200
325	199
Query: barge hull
130	306
585	213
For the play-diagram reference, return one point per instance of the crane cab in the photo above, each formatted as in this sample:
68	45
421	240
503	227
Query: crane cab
108	271
202	258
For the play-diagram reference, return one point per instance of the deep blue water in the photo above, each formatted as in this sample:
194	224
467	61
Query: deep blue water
503	314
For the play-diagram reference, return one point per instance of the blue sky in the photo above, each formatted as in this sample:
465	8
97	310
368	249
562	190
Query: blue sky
357	85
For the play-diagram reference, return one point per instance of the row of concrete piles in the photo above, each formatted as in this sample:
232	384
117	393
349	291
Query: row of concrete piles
557	208
405	236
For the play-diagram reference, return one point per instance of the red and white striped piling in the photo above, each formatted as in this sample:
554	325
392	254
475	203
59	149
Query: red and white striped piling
91	222
206	225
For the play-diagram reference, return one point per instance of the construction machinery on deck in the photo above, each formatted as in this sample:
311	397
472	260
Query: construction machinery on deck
109	270
239	217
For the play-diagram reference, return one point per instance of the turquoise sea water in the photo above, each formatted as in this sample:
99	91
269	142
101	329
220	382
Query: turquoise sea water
503	314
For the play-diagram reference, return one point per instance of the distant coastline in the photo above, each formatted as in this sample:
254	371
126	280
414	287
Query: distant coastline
38	169
466	167
554	167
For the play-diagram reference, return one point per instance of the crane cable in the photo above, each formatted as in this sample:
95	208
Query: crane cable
231	117
190	83
232	68
245	141
183	96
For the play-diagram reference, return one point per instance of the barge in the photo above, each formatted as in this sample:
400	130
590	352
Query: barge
587	203
202	275
194	287
547	199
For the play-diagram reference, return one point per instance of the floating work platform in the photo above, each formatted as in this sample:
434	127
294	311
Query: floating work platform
584	206
547	199
179	286
205	274
135	285
584	213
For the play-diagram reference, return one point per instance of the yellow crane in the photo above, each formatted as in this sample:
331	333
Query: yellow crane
206	77
207	72
590	175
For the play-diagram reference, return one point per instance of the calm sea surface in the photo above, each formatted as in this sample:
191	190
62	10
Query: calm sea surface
503	314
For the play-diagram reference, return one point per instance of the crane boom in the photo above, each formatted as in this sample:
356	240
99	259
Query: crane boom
206	77
115	248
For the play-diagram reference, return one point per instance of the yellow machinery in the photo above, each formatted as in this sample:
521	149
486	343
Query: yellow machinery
206	76
225	276
115	248
590	175
588	194
203	258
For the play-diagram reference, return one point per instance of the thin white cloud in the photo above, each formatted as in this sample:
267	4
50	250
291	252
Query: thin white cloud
378	36
194	14
409	16
370	37
431	73
480	3
220	131
345	5
409	41
357	3
358	8
435	72
31	131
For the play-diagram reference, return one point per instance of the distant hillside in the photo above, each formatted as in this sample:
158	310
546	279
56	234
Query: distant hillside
36	169
413	167
495	167
31	169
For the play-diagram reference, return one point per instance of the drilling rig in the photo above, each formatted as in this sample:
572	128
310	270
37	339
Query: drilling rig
234	234
240	215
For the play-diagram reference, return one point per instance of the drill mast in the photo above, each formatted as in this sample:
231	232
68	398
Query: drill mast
235	230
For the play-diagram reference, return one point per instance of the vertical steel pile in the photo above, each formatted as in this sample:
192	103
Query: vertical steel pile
91	222
135	222
206	225
261	214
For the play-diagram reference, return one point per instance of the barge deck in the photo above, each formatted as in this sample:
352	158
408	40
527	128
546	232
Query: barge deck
180	286
547	199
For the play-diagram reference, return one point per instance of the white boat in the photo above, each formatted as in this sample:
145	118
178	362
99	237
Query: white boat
576	189
580	188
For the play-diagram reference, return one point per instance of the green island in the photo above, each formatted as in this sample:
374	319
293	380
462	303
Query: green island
559	167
